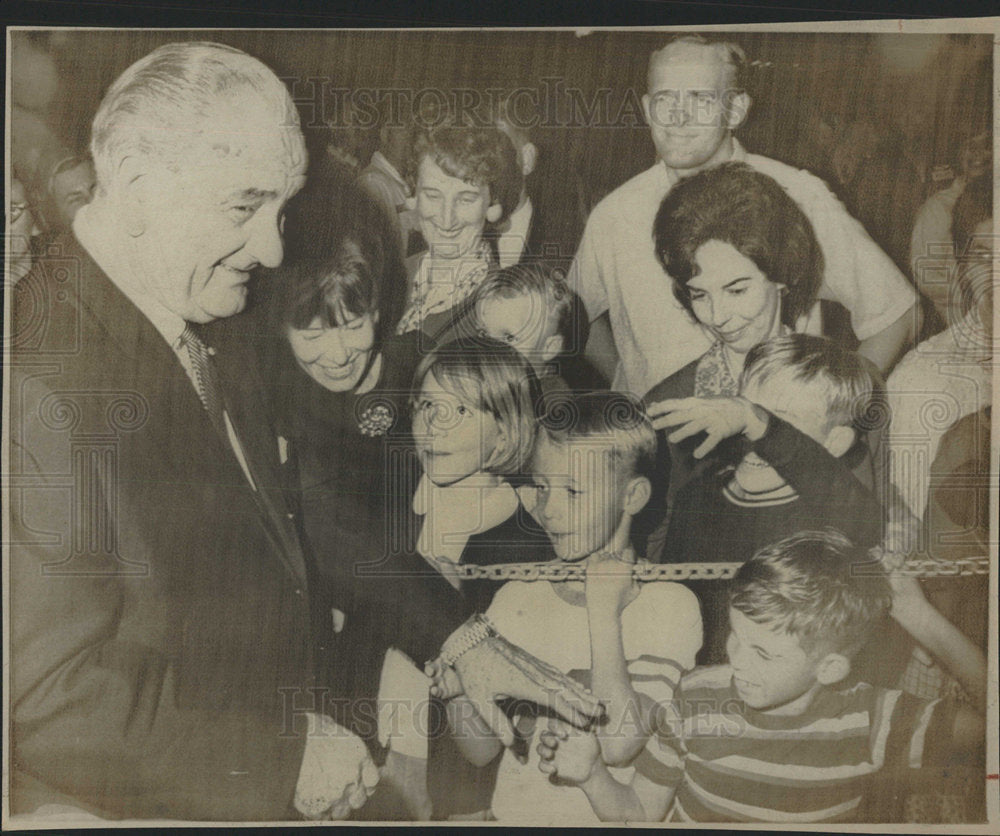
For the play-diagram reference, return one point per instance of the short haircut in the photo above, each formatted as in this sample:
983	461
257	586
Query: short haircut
342	260
849	380
165	98
336	290
750	211
816	586
563	309
726	52
496	379
615	416
482	156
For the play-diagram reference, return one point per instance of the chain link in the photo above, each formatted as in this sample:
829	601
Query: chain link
692	571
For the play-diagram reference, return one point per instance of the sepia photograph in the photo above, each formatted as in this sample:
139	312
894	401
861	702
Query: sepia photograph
499	426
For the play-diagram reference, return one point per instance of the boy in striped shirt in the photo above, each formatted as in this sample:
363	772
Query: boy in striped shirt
776	735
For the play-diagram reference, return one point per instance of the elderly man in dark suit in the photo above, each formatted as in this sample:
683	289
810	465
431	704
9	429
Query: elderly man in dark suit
161	659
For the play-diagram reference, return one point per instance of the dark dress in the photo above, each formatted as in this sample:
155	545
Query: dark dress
348	459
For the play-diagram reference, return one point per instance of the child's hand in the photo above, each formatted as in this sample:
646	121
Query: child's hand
719	418
568	752
610	585
445	683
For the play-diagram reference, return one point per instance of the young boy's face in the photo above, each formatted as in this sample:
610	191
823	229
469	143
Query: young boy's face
771	671
520	321
579	497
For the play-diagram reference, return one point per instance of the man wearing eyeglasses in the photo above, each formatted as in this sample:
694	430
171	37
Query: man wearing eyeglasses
639	334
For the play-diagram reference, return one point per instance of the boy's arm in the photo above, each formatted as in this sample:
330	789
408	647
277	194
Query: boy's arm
609	585
631	709
818	475
574	757
952	648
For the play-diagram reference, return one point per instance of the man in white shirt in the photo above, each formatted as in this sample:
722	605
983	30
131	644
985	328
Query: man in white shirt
161	641
639	333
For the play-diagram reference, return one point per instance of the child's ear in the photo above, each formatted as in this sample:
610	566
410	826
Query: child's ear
637	493
494	213
832	669
840	440
552	348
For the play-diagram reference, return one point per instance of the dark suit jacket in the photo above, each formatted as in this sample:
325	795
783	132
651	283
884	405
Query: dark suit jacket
159	615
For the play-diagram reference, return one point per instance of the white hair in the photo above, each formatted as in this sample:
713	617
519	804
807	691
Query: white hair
162	102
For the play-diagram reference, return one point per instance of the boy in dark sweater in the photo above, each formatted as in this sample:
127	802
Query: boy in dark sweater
800	397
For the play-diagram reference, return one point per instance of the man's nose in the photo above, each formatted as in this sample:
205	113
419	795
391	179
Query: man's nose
265	241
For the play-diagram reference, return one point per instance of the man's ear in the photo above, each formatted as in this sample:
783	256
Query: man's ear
529	158
552	348
494	213
832	669
637	493
840	440
645	108
134	179
410	203
737	110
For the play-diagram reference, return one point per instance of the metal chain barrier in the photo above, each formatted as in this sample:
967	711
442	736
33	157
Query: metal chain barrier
694	571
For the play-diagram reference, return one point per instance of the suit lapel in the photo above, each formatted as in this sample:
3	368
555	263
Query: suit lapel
155	361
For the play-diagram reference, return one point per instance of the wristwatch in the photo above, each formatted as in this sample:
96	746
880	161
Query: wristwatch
477	629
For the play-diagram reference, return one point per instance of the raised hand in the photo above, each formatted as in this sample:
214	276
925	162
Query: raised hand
610	585
718	418
567	752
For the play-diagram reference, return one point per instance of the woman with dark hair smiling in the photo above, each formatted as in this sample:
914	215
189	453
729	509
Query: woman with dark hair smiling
745	264
339	382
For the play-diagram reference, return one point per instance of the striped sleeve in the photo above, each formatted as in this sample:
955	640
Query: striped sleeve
662	760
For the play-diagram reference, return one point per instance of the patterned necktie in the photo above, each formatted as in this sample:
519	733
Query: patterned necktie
206	381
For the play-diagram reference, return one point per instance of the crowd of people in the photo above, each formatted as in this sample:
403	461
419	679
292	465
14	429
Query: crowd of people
333	495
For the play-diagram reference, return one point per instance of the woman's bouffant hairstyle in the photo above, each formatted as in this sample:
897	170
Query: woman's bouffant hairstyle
341	260
738	205
482	156
495	379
